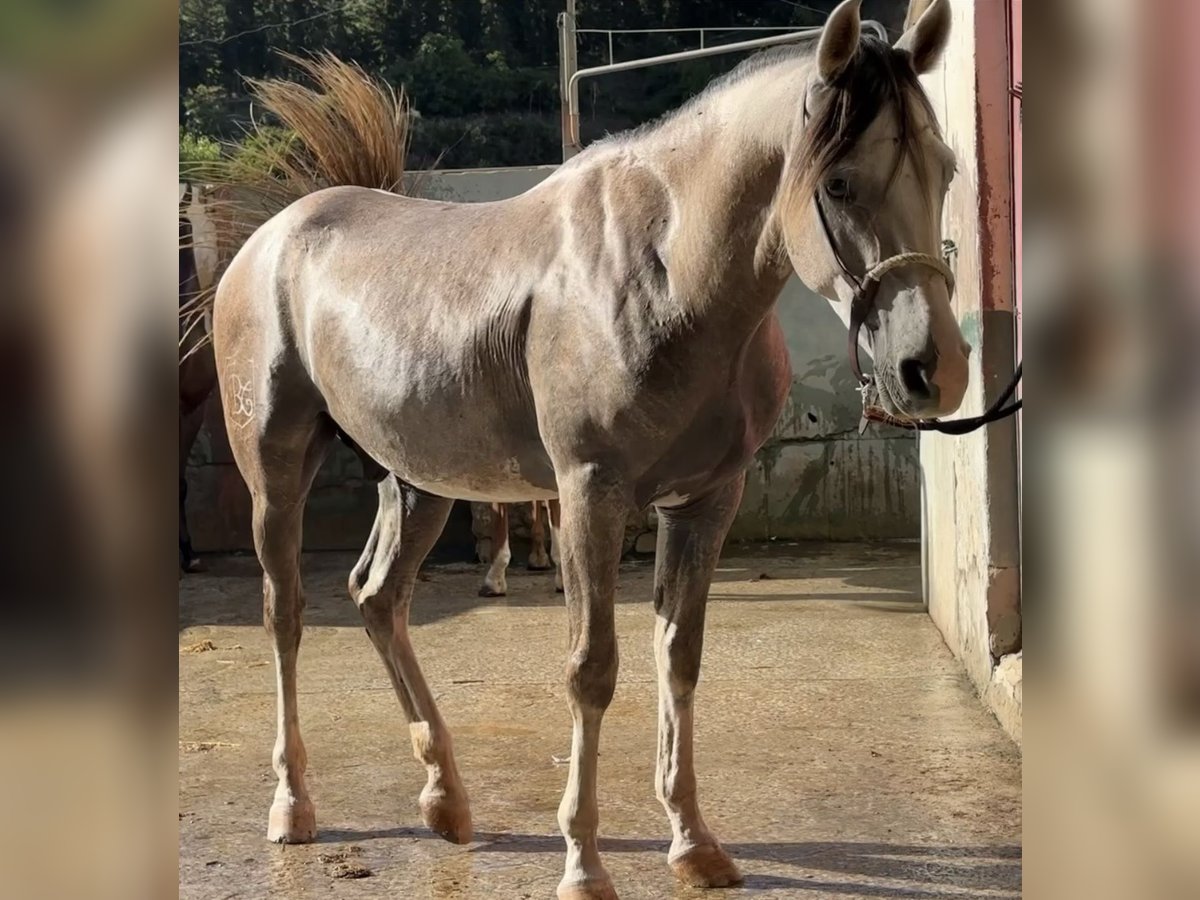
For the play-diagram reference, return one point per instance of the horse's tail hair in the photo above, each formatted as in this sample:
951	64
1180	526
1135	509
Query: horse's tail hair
346	129
349	129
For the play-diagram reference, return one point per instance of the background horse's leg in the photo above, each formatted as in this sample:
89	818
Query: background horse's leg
279	470
189	428
593	524
495	582
197	378
689	544
407	526
555	515
538	560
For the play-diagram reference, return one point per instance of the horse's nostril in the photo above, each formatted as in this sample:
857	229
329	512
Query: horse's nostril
915	377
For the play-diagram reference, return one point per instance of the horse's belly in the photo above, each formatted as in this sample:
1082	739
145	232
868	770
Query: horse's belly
499	488
487	465
480	455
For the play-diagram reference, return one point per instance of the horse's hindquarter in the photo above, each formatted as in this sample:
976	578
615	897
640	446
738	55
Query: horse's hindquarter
410	317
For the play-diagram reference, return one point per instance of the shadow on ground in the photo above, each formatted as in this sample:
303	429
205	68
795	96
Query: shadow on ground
934	872
229	592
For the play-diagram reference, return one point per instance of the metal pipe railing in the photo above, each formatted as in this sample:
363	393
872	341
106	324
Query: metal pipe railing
701	31
571	142
683	30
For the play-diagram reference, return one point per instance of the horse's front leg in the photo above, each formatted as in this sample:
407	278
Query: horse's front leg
689	544
594	506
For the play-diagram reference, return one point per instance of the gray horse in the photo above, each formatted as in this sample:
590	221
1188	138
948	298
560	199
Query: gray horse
608	338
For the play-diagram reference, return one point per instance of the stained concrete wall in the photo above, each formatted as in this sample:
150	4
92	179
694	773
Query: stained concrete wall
815	479
970	517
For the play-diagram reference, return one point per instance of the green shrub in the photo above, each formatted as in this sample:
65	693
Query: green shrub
197	152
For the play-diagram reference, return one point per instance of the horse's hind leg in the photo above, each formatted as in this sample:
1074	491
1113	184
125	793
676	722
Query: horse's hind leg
495	582
189	429
689	544
406	527
538	560
554	514
278	463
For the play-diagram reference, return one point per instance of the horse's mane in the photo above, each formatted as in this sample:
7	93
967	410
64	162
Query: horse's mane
879	75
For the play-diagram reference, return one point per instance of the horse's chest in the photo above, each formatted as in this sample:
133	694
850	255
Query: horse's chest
725	430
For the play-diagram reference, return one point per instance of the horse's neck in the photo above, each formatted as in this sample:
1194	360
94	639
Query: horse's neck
723	159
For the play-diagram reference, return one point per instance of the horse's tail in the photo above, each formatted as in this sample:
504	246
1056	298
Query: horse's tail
345	129
349	129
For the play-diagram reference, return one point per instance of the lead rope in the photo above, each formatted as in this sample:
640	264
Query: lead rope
993	413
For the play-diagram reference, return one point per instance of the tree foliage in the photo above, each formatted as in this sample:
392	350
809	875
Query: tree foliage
482	75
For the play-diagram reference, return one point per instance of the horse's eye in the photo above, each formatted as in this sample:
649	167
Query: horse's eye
837	188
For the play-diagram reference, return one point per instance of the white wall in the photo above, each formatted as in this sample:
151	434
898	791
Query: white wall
971	549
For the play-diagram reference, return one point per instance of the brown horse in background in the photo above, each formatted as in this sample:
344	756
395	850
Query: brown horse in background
495	583
197	366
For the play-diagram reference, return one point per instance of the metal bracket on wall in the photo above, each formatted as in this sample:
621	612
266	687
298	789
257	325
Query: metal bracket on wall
949	252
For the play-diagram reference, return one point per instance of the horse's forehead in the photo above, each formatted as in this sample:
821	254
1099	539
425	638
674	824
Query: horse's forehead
881	140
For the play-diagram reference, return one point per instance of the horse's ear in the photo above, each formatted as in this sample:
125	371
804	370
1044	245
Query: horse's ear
926	32
839	40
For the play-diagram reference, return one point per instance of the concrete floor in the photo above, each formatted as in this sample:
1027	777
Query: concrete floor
841	752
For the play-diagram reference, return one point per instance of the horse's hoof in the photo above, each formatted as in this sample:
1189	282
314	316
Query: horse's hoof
448	816
539	567
192	566
592	889
292	823
488	591
706	866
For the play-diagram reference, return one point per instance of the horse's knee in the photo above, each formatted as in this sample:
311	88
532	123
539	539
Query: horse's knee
592	673
283	605
679	662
